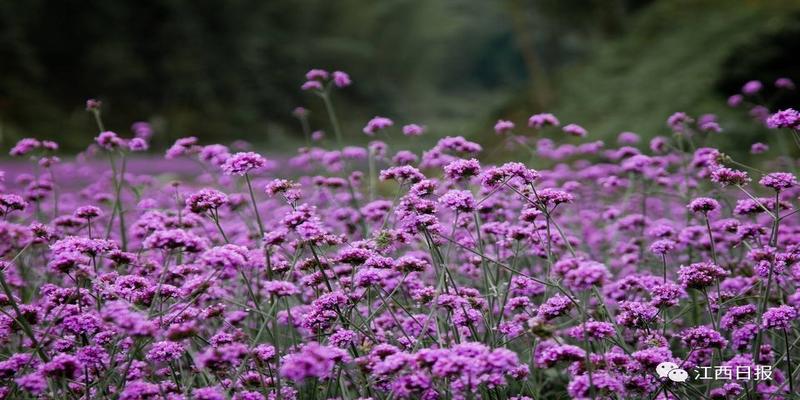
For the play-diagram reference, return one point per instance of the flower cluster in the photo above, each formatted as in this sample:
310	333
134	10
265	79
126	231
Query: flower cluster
368	272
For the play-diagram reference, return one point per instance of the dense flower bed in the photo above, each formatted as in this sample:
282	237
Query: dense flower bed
350	272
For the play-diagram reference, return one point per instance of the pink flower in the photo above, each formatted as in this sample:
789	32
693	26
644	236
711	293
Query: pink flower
575	130
376	124
341	79
413	130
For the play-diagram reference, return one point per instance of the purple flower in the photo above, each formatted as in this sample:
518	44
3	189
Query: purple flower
62	366
109	140
634	314
87	212
703	337
586	275
666	295
781	317
376	124
206	200
25	146
703	205
502	127
175	239
735	100
700	275
575	130
165	351
752	87
737	315
788	118
759	148
137	144
11	202
462	169
229	256
784	83
778	181
552	355
312	361
182	147
311	85
93	104
627	138
539	121
727	176
243	163
413	130
593	329
402	174
554	307
280	288
678	121
458	200
410	264
317	74
341	79
663	246
601	385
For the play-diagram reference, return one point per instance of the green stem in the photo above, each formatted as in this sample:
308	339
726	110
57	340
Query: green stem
332	116
255	206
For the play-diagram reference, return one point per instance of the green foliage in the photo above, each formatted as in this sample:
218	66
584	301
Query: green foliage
681	56
232	69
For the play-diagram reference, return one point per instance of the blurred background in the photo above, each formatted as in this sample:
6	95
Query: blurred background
227	70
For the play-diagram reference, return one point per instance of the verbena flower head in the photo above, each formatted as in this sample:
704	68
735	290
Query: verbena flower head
462	169
182	147
784	83
431	286
341	79
25	146
317	74
735	100
109	140
781	317
503	126
165	351
663	246
206	200
243	163
11	202
759	148
727	176
413	130
575	130
788	118
778	181
458	200
312	361
138	144
677	121
700	275
752	87
539	121
703	337
628	138
377	124
402	174
87	212
703	205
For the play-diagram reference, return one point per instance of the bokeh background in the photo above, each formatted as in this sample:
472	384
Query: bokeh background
227	70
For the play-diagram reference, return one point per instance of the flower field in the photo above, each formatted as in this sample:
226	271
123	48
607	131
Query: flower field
348	272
